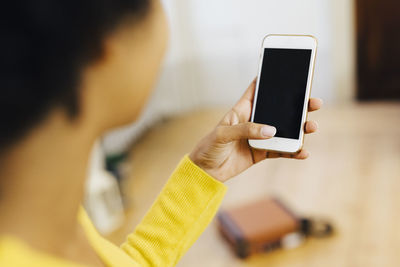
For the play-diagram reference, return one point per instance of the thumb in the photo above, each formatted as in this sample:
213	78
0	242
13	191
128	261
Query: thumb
248	130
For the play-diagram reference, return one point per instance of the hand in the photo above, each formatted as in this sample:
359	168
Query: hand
225	152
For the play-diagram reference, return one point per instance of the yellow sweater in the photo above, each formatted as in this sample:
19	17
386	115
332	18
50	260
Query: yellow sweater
179	215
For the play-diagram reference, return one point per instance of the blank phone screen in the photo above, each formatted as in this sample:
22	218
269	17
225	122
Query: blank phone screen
282	89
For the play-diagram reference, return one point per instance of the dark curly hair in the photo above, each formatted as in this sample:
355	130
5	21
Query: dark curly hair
44	46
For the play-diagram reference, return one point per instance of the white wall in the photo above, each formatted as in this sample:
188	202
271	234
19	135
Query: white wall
344	50
214	49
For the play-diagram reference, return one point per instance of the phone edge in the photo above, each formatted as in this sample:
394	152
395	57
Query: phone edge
309	93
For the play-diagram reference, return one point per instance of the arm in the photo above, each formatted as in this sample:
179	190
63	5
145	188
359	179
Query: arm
182	211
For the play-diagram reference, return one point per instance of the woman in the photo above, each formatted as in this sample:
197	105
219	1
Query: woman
70	70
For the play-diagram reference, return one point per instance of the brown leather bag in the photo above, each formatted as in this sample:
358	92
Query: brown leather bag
258	226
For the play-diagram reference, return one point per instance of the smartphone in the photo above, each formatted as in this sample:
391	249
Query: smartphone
283	90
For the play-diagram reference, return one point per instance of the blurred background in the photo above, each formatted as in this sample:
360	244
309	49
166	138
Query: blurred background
215	45
353	174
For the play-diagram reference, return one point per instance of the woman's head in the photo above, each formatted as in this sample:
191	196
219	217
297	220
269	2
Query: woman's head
93	61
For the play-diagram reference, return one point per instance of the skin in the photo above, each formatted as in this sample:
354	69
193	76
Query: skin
43	175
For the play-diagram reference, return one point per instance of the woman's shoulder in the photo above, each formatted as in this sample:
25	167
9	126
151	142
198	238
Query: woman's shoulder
16	253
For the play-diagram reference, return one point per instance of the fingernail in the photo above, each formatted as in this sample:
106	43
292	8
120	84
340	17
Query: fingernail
268	131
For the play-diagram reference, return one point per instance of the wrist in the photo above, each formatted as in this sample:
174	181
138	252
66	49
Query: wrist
202	164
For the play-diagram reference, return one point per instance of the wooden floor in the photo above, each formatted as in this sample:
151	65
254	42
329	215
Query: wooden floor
352	177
